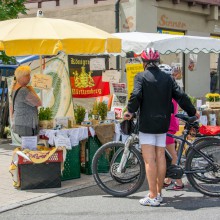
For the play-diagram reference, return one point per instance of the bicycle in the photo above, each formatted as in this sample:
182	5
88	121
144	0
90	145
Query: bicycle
119	170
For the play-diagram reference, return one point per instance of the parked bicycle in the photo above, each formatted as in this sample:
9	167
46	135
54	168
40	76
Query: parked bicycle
119	169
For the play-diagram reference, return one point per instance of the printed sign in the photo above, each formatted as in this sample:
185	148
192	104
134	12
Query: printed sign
111	115
118	113
112	76
97	64
41	81
132	70
61	141
119	88
29	142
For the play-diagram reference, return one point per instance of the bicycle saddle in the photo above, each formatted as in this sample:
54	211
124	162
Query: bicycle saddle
186	118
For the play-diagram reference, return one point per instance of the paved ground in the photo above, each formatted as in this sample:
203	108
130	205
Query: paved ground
12	198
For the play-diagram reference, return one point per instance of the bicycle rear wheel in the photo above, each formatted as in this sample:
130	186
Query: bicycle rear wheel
205	177
104	166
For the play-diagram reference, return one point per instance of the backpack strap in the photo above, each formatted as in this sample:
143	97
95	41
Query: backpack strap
16	92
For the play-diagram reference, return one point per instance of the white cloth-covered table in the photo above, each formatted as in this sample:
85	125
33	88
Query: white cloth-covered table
75	134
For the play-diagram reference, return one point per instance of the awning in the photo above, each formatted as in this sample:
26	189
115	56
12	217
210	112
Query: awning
167	43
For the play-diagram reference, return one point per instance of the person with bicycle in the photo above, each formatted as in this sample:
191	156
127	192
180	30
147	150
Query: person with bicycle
152	95
170	141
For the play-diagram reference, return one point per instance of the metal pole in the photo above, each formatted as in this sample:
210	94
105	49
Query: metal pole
117	25
218	73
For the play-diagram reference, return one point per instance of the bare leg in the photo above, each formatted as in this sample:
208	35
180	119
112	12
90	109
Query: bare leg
149	155
161	167
171	149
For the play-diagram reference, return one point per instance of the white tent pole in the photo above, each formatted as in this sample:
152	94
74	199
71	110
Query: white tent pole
41	68
41	72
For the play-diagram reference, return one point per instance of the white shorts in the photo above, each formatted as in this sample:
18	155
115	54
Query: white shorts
158	140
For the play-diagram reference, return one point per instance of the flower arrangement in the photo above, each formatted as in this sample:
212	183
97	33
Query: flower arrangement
212	97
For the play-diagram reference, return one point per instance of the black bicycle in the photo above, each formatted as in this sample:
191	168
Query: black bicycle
119	170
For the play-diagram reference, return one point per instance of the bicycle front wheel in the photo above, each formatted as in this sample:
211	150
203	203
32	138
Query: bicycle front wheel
105	170
202	175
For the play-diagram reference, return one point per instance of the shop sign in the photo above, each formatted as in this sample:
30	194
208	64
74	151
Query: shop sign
86	83
163	31
215	36
166	22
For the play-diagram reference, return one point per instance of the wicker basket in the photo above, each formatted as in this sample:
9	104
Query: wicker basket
46	124
213	104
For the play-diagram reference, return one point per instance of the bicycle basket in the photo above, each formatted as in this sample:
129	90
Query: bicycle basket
127	127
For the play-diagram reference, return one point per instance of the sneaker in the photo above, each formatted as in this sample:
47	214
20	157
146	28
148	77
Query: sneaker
147	201
167	184
175	187
159	198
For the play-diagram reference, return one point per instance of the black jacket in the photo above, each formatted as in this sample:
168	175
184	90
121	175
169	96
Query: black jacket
153	93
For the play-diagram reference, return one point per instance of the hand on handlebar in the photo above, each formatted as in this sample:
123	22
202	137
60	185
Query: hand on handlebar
128	116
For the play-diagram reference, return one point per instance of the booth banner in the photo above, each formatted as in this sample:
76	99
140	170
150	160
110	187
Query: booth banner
86	83
132	70
59	96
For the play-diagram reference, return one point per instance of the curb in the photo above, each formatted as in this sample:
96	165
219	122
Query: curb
46	196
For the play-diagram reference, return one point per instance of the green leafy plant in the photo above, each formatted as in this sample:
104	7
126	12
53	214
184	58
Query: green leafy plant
79	113
11	8
45	114
102	110
193	100
95	108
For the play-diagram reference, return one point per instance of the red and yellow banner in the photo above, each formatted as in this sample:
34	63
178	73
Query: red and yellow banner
86	83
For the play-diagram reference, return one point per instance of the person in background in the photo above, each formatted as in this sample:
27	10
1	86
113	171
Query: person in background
24	104
170	142
213	81
152	96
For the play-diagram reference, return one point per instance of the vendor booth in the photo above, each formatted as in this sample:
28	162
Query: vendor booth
50	78
169	44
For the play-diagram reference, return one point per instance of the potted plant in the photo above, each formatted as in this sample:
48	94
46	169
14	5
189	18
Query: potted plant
102	110
45	118
79	113
95	110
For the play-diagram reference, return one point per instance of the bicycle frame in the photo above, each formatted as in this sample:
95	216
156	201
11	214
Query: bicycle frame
133	138
191	146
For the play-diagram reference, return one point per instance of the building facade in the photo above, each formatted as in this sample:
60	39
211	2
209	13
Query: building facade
198	18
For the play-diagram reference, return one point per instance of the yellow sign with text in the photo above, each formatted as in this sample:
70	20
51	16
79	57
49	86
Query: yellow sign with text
132	70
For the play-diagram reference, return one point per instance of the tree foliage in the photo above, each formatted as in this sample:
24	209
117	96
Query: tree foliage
10	9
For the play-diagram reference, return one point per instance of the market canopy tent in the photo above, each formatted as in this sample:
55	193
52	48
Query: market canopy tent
48	36
167	43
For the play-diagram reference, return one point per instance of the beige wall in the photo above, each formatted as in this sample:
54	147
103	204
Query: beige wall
101	15
145	15
193	21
